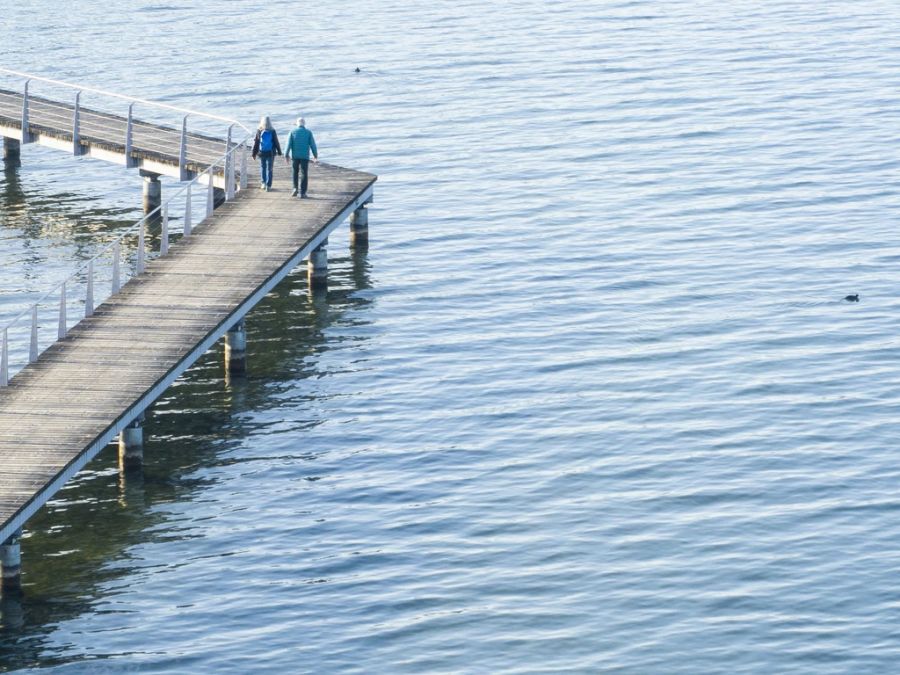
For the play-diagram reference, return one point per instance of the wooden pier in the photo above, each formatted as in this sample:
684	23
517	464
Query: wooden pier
81	393
151	147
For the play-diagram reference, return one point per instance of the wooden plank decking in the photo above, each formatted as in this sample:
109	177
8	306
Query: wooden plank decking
57	413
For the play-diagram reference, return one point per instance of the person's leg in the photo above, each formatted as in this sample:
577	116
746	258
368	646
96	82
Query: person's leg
271	168
295	165
262	171
304	165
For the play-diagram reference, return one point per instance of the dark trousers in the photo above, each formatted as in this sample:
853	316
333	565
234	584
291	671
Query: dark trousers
301	165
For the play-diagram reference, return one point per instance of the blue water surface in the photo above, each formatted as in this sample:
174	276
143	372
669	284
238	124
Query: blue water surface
590	402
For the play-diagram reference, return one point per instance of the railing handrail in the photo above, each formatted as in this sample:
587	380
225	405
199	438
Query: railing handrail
131	99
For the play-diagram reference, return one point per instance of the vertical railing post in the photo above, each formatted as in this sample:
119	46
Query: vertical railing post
244	165
4	360
26	126
182	152
164	234
61	332
139	266
89	294
129	138
210	196
33	348
187	211
115	270
229	167
77	148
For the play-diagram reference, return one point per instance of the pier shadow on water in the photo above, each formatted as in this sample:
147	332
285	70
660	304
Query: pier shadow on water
76	550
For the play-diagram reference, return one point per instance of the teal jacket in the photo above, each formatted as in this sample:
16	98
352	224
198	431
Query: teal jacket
300	143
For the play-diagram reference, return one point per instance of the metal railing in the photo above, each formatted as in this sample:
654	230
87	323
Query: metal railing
108	265
79	149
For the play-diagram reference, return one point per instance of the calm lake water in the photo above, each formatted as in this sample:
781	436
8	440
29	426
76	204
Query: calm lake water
591	402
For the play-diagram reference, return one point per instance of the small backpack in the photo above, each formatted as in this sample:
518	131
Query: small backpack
265	140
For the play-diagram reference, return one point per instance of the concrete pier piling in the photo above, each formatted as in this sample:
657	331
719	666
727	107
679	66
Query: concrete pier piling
152	191
11	561
359	227
317	266
236	349
131	445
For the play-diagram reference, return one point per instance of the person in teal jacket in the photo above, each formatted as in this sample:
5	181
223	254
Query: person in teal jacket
299	145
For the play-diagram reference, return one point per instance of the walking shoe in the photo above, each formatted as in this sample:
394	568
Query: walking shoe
303	196
294	192
268	188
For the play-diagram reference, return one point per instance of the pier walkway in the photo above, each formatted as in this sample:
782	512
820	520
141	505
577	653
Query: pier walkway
93	384
134	143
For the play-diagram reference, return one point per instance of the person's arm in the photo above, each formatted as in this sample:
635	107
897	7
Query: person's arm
312	146
255	151
287	152
276	145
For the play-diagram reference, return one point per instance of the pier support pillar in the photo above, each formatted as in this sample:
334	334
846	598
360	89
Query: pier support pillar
236	349
317	266
359	227
11	561
12	151
218	197
152	191
131	445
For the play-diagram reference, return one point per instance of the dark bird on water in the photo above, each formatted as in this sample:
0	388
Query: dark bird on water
357	69
852	298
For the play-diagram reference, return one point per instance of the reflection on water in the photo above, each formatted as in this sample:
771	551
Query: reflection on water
44	212
46	233
11	191
78	543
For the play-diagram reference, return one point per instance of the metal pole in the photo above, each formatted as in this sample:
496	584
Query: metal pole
187	211
243	166
26	129
76	122
164	235
182	152
4	360
129	139
229	167
33	349
139	267
115	273
89	295
61	333
210	197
